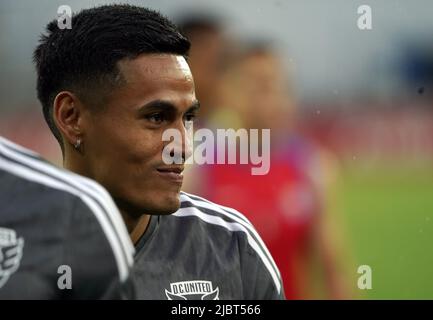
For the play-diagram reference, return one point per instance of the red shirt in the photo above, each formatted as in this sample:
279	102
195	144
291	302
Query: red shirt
281	204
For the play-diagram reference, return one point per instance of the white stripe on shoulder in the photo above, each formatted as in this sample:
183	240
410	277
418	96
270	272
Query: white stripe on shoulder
83	184
236	217
6	142
232	226
231	210
123	259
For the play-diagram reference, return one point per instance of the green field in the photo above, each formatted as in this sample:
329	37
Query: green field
389	224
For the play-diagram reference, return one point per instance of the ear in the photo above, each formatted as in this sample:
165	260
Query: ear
67	114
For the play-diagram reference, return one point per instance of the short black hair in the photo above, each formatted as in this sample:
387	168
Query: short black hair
84	59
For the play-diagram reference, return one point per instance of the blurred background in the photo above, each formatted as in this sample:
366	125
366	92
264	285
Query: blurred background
351	119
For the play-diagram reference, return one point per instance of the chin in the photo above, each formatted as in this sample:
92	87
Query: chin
164	203
156	203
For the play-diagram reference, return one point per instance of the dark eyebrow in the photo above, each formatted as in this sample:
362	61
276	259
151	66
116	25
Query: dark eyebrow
166	106
157	105
194	107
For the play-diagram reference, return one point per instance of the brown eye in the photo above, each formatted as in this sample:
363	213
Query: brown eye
156	118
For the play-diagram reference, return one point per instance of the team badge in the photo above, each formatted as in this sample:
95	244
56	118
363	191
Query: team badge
11	251
193	290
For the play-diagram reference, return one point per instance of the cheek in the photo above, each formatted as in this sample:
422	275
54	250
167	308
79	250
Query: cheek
105	142
119	145
142	149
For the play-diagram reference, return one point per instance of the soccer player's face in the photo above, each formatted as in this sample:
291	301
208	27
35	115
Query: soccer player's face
123	143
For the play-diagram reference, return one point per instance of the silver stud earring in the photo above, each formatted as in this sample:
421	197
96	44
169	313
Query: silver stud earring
77	144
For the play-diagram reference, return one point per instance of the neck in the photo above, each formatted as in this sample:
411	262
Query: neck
73	165
136	226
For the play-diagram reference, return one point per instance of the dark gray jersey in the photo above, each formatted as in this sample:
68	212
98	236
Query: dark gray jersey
61	235
204	251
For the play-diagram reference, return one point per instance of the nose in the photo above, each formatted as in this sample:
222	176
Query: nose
182	144
187	140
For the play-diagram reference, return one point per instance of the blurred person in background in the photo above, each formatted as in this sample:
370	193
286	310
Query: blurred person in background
206	58
287	205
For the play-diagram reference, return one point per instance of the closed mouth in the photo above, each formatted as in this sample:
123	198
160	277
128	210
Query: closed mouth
173	173
176	170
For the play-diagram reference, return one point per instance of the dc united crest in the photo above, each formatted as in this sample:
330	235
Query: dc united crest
11	251
198	289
